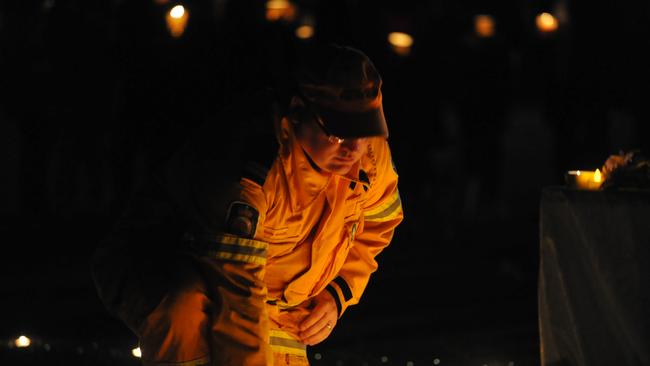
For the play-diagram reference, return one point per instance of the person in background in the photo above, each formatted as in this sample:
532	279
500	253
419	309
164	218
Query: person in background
251	242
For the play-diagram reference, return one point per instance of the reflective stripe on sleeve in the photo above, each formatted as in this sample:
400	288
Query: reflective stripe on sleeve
387	211
235	248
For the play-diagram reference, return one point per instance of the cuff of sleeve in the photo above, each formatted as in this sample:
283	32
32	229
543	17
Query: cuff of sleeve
337	299
340	290
345	288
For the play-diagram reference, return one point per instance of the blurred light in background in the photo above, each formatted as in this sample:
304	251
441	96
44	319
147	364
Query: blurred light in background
93	350
307	26
280	10
22	342
484	25
400	42
177	20
136	352
546	23
305	31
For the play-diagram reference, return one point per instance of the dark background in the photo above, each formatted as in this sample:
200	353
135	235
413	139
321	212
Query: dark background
95	93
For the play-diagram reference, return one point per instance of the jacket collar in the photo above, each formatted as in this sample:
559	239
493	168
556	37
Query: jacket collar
305	181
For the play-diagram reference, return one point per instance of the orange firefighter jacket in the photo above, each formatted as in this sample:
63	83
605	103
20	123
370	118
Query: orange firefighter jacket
317	231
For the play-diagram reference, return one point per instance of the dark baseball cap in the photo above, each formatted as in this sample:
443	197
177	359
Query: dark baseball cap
343	87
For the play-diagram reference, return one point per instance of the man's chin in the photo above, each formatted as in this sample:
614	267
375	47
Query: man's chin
340	169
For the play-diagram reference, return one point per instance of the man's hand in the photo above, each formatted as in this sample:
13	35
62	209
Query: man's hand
319	324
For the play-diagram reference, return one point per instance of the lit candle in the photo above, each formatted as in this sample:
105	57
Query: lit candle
177	20
546	23
280	10
400	42
136	352
584	179
305	31
22	342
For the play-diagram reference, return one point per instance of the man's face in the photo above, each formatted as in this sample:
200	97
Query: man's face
326	152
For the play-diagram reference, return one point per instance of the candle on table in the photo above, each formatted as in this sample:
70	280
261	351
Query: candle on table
584	179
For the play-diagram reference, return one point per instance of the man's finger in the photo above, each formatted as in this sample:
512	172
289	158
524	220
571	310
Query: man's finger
324	324
315	339
318	333
313	318
314	328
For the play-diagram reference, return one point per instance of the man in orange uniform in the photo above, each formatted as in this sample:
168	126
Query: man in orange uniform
270	259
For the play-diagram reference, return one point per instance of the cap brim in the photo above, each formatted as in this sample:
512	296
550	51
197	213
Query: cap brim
368	123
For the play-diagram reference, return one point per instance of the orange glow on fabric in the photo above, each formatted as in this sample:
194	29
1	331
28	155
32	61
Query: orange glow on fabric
177	20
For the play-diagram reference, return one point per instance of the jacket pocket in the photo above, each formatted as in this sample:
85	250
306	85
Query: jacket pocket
281	239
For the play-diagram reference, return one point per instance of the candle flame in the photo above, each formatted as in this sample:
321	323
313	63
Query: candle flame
400	39
597	176
400	42
177	11
305	31
176	20
22	342
546	22
136	352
